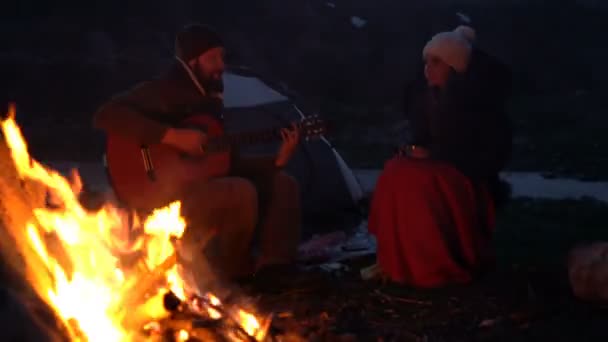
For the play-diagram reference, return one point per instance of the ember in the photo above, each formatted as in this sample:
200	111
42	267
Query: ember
73	260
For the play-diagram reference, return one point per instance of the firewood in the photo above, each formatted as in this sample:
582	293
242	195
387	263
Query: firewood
401	299
370	272
173	325
147	283
147	280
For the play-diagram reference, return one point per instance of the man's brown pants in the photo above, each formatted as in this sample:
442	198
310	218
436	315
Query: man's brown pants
237	208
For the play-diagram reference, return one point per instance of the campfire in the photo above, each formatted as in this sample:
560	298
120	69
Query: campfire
102	282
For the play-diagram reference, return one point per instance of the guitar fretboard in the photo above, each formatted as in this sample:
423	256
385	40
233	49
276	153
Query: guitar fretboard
245	138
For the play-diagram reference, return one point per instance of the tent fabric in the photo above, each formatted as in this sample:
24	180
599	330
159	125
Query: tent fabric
330	191
241	91
353	185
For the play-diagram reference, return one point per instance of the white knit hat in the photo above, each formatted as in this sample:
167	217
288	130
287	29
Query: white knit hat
467	32
453	47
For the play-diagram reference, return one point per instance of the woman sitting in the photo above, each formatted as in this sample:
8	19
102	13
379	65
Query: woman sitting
432	212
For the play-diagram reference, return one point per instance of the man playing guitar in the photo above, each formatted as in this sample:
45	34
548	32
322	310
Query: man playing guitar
253	197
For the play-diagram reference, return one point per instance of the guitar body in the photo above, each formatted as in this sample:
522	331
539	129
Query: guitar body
148	177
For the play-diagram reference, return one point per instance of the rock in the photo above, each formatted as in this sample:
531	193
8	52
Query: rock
588	271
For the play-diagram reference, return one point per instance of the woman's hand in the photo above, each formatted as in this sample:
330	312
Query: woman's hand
418	152
414	151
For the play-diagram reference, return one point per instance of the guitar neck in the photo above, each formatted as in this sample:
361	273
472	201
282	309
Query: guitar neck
247	138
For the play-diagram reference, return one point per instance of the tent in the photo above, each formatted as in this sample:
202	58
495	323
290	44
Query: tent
330	191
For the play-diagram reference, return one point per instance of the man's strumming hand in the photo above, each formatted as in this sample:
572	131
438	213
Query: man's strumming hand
291	139
190	141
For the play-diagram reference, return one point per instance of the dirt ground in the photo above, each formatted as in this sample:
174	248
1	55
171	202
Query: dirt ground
506	306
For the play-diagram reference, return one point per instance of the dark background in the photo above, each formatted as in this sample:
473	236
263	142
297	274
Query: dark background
60	60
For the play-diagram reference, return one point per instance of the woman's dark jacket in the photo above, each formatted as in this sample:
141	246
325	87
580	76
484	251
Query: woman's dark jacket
465	124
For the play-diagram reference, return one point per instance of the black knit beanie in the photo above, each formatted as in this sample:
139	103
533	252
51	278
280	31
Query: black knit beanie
194	40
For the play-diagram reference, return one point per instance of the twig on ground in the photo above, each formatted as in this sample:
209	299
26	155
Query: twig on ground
400	299
398	326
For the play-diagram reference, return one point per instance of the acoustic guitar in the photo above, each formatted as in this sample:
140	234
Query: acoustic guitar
147	177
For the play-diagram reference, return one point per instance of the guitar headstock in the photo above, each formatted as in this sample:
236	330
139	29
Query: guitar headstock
312	127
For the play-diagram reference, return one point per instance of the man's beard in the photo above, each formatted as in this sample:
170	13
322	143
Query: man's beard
213	85
210	84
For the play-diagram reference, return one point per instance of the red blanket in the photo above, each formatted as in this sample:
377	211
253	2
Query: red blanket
432	225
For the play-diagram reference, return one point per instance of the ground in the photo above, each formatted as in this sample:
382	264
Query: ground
526	299
503	307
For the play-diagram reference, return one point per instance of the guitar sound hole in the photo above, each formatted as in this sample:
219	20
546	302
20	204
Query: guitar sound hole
189	157
203	129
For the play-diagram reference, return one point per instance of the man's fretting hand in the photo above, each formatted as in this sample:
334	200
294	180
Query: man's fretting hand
291	139
190	141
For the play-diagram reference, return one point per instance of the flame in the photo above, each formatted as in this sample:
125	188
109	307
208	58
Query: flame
183	336
249	321
88	293
215	302
88	287
162	225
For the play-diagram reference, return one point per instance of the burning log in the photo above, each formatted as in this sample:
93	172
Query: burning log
138	293
206	316
150	280
181	329
148	283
